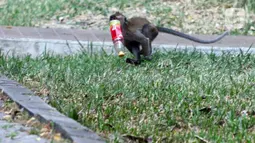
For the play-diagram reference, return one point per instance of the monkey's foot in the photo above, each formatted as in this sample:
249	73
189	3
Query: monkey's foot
132	61
148	58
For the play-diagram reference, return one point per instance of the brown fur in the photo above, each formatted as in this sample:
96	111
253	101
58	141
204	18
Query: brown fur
139	31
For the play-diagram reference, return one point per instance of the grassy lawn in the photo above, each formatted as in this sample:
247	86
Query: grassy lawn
176	97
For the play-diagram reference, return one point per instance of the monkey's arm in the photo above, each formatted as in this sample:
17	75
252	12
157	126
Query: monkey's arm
133	47
135	52
133	41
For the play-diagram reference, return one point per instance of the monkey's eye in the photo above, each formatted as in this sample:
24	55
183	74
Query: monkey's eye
112	17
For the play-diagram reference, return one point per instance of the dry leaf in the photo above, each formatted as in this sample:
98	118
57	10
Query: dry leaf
9	27
8	112
57	137
7	117
48	126
44	134
202	139
29	122
45	130
206	110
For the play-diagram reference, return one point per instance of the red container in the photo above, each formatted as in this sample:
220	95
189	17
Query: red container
117	37
115	29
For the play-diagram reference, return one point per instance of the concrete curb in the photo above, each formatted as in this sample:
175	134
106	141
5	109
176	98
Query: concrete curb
34	41
36	47
26	99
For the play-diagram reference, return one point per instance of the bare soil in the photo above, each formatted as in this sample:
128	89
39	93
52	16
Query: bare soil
186	16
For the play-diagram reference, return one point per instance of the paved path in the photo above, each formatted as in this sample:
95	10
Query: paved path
35	106
21	41
16	133
104	36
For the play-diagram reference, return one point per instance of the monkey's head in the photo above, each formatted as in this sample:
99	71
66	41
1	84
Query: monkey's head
118	16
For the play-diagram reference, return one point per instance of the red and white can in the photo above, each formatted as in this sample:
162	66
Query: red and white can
117	37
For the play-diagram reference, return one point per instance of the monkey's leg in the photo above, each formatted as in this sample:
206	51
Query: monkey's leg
144	41
147	54
151	32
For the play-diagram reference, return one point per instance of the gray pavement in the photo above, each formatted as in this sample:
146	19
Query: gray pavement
104	36
16	133
36	107
34	41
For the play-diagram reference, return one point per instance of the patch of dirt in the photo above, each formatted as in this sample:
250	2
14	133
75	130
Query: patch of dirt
186	16
13	114
2	2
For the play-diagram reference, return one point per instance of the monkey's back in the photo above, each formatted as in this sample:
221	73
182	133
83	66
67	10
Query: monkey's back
135	23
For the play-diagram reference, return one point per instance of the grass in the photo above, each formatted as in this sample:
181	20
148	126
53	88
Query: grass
12	135
6	126
250	4
28	12
178	96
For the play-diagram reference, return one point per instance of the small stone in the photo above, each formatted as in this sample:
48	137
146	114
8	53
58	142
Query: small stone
244	113
38	139
61	19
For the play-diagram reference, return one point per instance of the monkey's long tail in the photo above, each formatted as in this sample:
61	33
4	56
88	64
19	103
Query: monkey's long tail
177	33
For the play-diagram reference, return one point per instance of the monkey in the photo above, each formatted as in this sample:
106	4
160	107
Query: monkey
139	31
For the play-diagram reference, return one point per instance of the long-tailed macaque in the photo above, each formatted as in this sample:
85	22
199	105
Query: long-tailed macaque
139	31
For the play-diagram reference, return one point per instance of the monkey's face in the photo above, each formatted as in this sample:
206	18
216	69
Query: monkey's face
118	16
